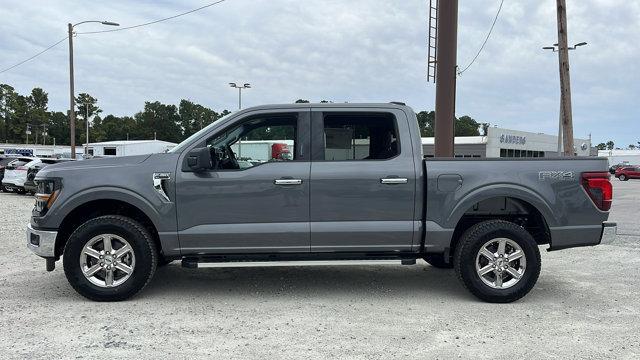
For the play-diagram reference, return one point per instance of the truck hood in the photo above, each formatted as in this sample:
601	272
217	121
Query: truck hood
87	165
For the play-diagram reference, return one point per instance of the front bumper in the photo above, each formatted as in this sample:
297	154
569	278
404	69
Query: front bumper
42	243
609	230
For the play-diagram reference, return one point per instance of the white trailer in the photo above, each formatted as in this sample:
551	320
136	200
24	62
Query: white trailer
128	148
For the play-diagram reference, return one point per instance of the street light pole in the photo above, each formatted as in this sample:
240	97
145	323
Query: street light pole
86	120
245	86
72	100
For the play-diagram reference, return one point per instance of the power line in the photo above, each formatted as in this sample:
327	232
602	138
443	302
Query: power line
152	22
485	40
112	30
34	56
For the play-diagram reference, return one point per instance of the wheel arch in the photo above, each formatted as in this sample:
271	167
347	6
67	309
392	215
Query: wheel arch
512	203
85	206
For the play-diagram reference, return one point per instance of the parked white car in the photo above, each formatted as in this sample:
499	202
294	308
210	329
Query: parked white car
15	173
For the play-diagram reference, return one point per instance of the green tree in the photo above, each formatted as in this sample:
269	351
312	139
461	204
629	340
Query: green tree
38	115
610	145
194	117
58	128
426	121
467	126
602	146
7	96
86	107
302	101
159	121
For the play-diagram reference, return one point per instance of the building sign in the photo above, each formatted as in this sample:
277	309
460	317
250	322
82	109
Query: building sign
513	139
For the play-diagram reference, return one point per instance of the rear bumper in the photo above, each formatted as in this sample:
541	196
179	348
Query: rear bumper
583	235
42	243
13	182
609	230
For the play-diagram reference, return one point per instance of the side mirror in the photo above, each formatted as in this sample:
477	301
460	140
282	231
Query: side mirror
199	159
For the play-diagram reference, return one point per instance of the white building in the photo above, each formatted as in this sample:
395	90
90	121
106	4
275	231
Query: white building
127	148
501	142
630	157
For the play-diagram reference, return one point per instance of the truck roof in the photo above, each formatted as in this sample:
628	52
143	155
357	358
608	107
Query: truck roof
392	105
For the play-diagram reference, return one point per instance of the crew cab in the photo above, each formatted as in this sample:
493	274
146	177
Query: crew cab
355	188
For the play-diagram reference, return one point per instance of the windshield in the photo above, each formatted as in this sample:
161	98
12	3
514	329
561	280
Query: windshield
202	131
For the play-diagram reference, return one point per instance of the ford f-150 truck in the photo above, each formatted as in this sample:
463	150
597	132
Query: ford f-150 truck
356	188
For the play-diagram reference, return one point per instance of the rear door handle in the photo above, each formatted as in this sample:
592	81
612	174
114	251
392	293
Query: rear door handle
287	181
394	181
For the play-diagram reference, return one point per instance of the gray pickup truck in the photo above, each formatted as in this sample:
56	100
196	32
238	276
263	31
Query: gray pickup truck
355	188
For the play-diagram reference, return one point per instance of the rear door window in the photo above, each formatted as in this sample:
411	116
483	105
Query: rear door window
360	136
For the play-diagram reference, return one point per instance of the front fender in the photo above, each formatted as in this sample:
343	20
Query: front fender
57	214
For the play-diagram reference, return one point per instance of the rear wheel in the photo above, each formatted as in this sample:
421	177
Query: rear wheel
438	261
498	261
622	177
110	258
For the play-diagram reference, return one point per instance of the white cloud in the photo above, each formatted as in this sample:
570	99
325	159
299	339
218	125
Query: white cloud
357	50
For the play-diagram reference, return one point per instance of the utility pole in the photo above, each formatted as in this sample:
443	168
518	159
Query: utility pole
72	100
447	46
565	79
555	48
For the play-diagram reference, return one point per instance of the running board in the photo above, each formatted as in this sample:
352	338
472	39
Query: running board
191	263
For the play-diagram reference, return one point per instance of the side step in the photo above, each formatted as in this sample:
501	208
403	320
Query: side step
194	263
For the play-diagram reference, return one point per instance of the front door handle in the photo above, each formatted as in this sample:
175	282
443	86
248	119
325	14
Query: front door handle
394	181
287	181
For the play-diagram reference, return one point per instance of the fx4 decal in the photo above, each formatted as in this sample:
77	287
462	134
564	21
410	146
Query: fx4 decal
555	175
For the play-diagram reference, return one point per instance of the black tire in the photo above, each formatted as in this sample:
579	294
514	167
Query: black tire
437	261
470	244
144	249
622	177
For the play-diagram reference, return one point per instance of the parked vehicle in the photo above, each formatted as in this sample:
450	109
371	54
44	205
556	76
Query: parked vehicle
613	168
115	220
4	161
16	172
628	172
29	184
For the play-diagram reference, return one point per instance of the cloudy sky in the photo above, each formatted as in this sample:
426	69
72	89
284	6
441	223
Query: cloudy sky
339	50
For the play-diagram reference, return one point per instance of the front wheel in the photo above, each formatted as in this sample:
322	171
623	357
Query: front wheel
622	177
498	261
110	258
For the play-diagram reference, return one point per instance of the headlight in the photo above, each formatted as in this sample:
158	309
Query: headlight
46	194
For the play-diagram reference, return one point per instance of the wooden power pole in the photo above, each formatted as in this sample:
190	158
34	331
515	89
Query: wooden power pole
565	79
447	46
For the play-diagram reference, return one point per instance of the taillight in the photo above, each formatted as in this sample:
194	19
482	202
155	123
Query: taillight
599	188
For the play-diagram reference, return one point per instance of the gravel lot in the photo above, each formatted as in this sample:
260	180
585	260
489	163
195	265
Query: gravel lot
585	305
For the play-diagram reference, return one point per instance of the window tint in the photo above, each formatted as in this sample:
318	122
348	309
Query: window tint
255	141
368	136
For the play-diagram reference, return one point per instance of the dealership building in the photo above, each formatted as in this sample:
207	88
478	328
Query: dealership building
500	142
